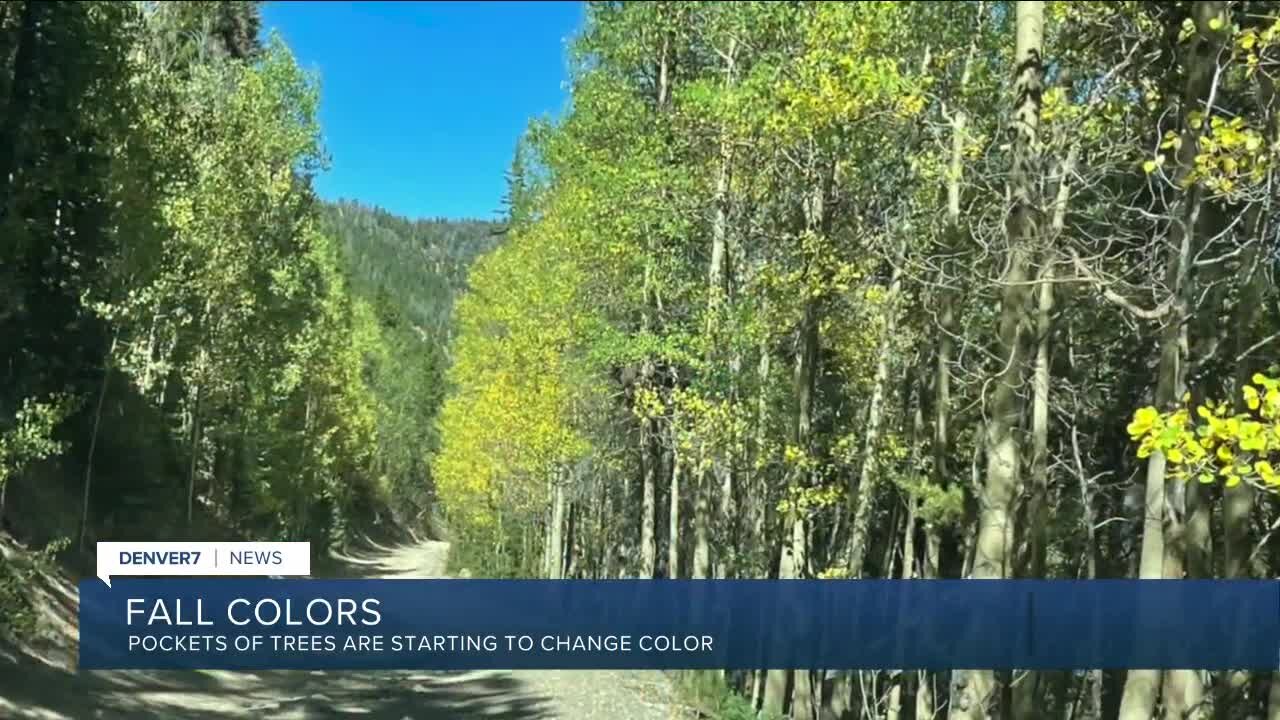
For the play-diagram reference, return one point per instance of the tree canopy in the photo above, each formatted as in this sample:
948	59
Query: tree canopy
932	290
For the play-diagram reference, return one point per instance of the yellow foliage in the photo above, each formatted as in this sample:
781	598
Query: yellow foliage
1240	447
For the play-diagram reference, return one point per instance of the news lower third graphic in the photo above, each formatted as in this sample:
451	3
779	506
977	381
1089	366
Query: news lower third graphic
202	558
283	622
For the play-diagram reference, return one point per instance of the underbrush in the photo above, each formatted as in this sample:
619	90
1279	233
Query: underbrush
19	572
707	692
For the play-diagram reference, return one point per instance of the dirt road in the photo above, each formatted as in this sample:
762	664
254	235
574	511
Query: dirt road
43	683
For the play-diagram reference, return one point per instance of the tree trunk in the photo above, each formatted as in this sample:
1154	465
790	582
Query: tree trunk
898	677
1093	678
728	505
701	531
818	221
762	520
777	681
93	441
863	494
1237	502
555	530
1004	455
946	319
1159	527
794	562
1038	500
946	322
794	557
195	454
802	700
648	541
1026	695
673	529
718	291
570	537
947	332
545	570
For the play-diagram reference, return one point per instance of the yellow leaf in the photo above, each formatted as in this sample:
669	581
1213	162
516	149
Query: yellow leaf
1253	443
1251	397
1149	167
1143	420
1216	23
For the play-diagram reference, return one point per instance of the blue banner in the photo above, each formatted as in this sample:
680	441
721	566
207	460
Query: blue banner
259	624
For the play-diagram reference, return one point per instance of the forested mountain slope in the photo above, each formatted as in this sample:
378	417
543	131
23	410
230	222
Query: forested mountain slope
419	266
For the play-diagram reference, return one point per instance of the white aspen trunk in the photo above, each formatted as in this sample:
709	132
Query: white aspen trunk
728	505
648	542
195	454
817	220
802	704
1026	693
546	546
1237	502
1037	515
555	530
776	680
898	677
717	293
908	571
863	494
794	563
1164	505
763	517
701	534
975	690
673	530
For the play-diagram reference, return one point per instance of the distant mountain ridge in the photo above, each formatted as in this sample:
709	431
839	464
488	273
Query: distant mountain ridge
415	268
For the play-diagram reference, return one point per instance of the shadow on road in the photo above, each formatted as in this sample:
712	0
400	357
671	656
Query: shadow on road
35	690
40	682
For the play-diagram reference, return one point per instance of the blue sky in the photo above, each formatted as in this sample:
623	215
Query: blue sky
422	102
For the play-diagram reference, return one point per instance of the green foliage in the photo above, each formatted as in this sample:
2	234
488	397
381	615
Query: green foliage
31	436
19	573
714	699
187	325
